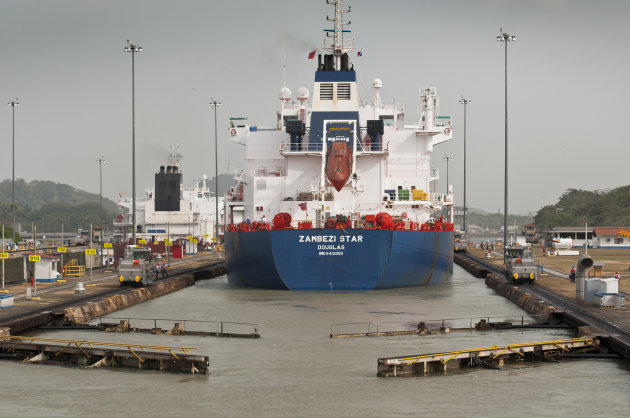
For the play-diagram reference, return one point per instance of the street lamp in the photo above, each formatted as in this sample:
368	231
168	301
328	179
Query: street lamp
505	38
465	102
13	104
447	158
100	162
133	49
214	105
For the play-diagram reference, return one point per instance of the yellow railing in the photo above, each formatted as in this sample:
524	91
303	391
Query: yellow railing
501	348
74	269
95	344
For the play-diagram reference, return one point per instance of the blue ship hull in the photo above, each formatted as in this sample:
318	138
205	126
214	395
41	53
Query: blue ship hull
350	259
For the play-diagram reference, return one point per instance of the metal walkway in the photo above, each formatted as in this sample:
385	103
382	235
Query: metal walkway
491	357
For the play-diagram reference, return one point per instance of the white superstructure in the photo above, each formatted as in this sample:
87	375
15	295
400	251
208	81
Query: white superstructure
278	178
196	214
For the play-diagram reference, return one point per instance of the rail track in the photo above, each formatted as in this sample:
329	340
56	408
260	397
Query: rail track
580	314
188	268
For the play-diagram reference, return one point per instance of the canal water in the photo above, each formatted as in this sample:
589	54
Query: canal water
295	369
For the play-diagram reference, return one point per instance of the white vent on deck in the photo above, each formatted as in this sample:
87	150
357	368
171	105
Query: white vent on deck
343	91
326	91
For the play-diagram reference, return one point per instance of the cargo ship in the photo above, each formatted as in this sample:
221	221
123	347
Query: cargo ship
340	193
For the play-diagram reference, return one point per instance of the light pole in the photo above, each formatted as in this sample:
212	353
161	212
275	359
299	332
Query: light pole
465	102
100	162
13	104
505	38
133	49
447	158
214	105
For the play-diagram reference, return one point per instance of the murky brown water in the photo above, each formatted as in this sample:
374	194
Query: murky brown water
295	369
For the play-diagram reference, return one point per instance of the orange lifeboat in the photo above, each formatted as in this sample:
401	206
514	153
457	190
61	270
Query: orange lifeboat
339	164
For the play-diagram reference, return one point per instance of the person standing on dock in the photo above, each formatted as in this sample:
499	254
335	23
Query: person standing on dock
617	276
164	273
572	274
157	271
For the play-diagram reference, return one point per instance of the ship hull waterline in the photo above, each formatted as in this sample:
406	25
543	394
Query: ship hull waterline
338	259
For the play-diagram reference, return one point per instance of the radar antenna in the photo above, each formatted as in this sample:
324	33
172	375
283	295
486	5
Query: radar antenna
174	157
337	45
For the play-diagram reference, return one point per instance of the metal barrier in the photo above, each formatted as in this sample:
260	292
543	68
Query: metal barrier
412	324
74	269
220	327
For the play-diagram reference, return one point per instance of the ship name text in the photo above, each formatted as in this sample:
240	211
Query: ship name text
331	238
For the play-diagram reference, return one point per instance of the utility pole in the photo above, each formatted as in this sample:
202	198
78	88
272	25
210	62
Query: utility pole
214	105
3	258
34	229
13	104
100	162
465	102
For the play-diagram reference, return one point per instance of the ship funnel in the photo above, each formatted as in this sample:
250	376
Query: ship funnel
161	169
584	263
169	169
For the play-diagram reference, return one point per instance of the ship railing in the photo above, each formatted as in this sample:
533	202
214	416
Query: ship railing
264	172
308	147
437	197
122	222
438	122
390	105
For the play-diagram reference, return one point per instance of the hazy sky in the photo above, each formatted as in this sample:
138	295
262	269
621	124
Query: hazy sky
568	85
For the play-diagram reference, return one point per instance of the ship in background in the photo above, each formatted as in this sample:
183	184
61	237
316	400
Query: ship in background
169	211
340	194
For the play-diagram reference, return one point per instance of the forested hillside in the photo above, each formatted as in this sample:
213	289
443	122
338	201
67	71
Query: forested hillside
598	208
51	204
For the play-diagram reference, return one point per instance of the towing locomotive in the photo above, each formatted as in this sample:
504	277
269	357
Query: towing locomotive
135	269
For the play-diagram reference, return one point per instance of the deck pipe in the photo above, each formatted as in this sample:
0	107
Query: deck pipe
584	263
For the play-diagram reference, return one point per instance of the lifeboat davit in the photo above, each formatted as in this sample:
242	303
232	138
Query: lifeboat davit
339	164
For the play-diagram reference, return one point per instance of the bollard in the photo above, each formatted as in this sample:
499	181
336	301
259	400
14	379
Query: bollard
79	287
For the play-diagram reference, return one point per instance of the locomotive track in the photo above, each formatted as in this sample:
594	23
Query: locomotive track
574	313
43	313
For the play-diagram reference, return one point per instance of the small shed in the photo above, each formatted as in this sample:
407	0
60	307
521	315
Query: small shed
45	269
597	268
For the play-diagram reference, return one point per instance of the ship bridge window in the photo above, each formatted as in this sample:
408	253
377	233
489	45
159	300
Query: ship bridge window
388	120
326	91
343	91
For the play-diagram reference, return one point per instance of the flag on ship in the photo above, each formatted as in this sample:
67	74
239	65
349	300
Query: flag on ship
311	54
359	54
302	205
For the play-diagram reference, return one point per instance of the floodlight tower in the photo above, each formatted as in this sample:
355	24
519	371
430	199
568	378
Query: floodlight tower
505	38
133	49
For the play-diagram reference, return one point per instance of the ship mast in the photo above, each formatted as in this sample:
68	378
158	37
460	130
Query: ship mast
174	156
337	46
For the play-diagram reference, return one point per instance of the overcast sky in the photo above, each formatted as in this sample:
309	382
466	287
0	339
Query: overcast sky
568	81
